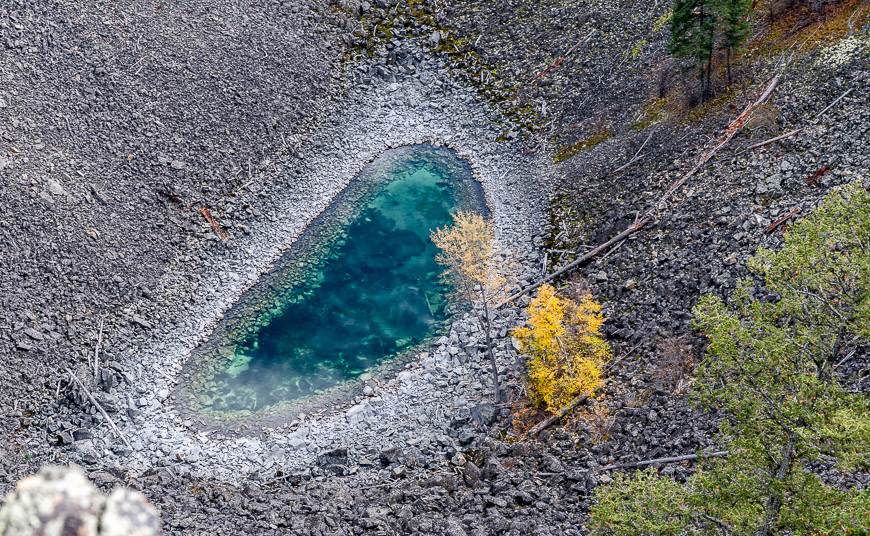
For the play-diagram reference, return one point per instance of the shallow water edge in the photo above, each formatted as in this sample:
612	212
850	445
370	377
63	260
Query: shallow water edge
306	255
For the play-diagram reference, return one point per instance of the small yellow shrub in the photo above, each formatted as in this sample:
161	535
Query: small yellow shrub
565	347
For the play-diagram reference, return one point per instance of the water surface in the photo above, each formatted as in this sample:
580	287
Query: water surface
360	287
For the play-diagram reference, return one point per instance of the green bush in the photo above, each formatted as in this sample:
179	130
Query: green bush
771	370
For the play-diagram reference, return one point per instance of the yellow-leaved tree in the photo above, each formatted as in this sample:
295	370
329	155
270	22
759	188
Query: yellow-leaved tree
566	349
468	254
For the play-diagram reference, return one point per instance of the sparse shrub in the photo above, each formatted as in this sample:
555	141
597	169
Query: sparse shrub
566	349
617	510
674	365
599	422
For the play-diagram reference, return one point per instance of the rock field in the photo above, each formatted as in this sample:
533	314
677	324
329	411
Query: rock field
121	122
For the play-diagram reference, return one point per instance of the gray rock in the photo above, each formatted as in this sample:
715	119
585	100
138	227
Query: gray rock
128	513
54	187
60	500
358	413
34	334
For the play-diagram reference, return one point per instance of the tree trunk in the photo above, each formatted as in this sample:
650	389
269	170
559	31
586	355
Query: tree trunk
493	363
709	70
774	501
728	64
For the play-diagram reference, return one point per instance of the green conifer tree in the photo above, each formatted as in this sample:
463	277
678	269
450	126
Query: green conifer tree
693	27
775	371
734	21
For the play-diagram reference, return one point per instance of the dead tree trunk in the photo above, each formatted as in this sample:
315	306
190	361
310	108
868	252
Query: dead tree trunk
487	321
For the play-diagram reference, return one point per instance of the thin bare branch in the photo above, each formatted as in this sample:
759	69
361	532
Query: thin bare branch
670	459
99	407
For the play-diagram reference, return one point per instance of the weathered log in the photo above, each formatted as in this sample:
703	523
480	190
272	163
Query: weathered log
834	102
215	226
670	459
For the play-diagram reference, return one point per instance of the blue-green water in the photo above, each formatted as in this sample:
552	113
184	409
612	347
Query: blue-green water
360	287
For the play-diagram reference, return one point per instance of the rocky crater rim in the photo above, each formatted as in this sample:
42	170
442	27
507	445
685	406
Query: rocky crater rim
374	120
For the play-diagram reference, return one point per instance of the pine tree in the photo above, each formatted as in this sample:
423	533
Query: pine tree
693	27
734	22
775	371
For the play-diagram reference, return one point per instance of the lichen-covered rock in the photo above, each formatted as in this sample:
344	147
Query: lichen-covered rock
128	513
60	501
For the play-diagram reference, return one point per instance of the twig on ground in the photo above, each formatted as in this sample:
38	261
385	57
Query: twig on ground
618	360
782	219
97	352
215	226
99	408
558	62
834	103
546	423
775	139
813	180
637	156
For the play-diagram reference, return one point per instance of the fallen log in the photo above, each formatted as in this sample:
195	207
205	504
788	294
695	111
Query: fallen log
650	216
733	128
549	421
671	459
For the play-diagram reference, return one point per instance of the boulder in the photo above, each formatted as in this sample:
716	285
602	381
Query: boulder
60	500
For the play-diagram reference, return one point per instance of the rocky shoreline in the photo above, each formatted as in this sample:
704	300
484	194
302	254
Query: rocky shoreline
412	405
421	451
